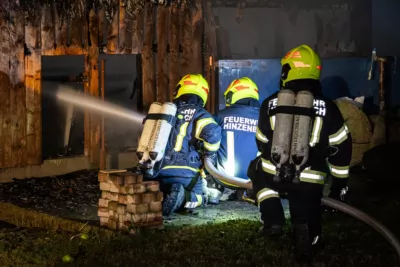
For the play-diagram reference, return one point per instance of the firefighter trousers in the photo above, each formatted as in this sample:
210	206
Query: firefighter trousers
193	196
304	202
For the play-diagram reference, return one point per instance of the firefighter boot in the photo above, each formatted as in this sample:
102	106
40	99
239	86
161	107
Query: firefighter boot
212	195
303	244
271	231
174	199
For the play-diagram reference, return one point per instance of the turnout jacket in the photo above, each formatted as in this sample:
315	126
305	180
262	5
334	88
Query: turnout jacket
194	134
330	142
238	123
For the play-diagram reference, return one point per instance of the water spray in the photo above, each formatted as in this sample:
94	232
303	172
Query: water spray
69	95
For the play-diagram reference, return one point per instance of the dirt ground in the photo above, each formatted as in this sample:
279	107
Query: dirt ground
75	196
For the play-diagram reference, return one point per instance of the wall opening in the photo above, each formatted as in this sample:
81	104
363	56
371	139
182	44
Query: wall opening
123	88
62	124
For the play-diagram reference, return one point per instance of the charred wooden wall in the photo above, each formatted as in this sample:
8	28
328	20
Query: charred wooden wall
169	39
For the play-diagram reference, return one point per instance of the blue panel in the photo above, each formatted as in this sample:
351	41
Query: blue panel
339	77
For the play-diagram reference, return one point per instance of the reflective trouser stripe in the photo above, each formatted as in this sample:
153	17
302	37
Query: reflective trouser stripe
230	149
260	136
192	205
339	171
266	193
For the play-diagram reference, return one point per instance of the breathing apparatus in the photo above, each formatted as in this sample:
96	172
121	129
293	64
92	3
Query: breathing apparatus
294	114
160	120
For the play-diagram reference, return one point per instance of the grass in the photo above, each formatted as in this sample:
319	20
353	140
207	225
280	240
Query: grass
234	243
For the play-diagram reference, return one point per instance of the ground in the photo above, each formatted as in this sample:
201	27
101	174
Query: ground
225	235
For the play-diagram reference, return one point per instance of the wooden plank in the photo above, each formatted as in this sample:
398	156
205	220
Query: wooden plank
86	114
122	26
162	60
138	31
77	44
5	115
186	35
94	86
33	68
113	27
128	28
174	66
197	37
17	92
47	31
148	59
102	26
60	29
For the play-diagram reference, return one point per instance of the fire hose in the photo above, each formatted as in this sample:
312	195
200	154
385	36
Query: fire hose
329	202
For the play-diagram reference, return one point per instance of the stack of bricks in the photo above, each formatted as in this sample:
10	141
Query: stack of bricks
128	203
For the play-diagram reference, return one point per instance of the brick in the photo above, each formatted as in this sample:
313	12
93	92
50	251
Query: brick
121	209
113	215
134	199
114	188
155	206
152	186
139	218
127	217
113	205
121	218
104	174
103	203
122	199
133	178
109	195
149	197
137	209
159	196
135	189
123	227
154	216
117	179
102	212
104	221
112	224
105	186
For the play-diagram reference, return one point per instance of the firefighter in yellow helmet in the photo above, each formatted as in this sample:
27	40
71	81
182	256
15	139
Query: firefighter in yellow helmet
195	135
318	128
238	121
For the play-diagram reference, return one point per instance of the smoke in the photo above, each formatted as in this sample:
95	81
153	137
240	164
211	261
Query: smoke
94	104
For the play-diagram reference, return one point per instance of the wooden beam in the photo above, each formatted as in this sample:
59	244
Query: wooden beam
78	41
17	91
33	67
113	29
121	27
93	68
186	40
162	60
149	95
60	30
174	66
5	114
197	37
102	26
138	31
128	20
47	31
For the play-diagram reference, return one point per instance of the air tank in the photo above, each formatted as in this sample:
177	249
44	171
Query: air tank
301	133
148	130
159	139
280	149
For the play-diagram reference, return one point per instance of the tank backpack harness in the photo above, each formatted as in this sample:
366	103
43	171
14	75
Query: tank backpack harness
294	116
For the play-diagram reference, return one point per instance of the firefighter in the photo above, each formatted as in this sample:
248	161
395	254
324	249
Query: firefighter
195	135
238	122
330	149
